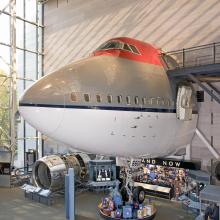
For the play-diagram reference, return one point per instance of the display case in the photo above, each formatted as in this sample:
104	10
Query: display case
155	190
102	170
5	169
210	200
30	159
102	175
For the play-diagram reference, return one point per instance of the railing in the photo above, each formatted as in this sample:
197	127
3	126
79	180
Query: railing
194	56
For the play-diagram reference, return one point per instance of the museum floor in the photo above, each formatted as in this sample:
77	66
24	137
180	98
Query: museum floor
13	206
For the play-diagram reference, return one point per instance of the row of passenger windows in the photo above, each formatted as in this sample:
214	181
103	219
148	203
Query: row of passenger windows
120	46
76	97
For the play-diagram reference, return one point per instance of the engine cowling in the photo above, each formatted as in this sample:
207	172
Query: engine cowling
49	171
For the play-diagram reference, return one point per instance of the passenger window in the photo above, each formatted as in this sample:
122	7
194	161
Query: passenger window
86	97
109	98
159	101
119	98
98	98
152	101
74	97
136	100
144	101
168	102
128	100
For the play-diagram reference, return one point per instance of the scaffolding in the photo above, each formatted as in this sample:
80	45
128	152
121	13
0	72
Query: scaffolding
200	65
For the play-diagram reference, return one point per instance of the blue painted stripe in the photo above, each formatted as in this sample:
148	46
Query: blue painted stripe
111	108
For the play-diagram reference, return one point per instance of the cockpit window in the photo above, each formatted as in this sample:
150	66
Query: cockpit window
126	47
118	45
110	45
134	49
170	61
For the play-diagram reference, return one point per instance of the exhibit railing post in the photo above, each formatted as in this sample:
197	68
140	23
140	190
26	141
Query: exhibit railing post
70	194
200	209
219	210
214	53
67	195
183	57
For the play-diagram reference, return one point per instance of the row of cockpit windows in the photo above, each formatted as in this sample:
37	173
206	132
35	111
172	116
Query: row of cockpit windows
128	100
120	46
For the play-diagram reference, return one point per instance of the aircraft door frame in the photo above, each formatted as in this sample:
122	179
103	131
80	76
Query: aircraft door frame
184	103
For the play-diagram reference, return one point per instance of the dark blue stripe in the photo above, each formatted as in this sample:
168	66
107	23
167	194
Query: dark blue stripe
113	108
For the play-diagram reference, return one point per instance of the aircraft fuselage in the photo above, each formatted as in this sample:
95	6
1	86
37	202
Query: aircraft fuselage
110	104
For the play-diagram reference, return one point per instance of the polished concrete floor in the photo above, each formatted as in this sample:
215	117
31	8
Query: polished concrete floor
13	206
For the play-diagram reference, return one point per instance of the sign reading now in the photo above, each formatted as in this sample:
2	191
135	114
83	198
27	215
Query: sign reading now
191	165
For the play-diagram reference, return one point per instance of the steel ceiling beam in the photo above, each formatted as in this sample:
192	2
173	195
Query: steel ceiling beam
3	10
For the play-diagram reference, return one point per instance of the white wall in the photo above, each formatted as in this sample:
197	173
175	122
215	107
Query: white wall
204	124
76	28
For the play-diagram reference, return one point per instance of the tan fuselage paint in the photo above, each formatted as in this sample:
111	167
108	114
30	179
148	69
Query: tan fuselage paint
103	75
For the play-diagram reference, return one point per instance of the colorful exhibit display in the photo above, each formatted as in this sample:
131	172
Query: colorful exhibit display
115	207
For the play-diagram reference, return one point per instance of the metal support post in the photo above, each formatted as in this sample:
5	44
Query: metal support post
219	210
214	53
200	202
67	195
183	57
70	194
188	152
13	81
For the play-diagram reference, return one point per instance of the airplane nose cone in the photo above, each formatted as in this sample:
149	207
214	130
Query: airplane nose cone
42	105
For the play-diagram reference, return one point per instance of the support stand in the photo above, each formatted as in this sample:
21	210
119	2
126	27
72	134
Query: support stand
70	194
188	152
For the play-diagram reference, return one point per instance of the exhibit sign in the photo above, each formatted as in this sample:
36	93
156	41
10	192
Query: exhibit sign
191	165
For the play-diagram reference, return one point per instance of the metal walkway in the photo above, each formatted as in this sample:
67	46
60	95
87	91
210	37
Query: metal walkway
200	65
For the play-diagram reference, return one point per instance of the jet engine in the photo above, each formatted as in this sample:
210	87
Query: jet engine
49	171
